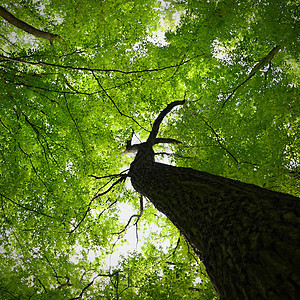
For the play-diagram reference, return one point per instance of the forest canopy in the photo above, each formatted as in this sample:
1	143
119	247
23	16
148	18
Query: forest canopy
69	103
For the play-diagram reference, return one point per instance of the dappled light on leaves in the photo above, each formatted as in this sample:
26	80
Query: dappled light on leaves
68	108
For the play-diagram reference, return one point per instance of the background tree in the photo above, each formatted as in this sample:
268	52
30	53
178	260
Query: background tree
68	108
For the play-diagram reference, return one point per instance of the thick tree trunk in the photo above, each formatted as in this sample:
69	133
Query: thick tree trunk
248	237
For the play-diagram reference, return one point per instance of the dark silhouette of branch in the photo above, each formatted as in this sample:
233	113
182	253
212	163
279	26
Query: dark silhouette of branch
109	176
133	148
176	247
44	288
173	252
240	85
8	292
122	179
53	269
25	207
33	167
166	141
257	67
66	283
172	154
75	123
92	282
26	27
155	128
51	90
3	124
107	208
219	141
115	105
134	216
40	63
197	258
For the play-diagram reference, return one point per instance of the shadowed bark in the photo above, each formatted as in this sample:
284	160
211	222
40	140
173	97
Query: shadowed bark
248	237
26	27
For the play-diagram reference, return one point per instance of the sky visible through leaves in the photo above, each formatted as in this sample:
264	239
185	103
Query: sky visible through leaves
67	109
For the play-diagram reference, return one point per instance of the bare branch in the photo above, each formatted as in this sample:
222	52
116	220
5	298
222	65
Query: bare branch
114	103
134	216
257	67
172	154
155	128
219	141
40	63
166	141
123	177
26	27
107	208
25	207
109	176
92	282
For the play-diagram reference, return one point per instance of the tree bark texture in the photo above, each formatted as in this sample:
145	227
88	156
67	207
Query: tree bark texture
247	237
26	27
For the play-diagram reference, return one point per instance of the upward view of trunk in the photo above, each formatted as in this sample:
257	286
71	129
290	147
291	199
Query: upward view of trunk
247	237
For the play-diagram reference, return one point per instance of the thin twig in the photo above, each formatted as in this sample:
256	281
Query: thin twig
40	63
109	176
257	67
94	198
25	207
172	154
114	103
219	142
92	282
134	216
75	123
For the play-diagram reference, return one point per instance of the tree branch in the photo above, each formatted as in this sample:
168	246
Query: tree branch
166	141
44	288
92	282
40	63
75	123
114	103
257	67
26	27
109	176
134	216
123	177
155	128
172	154
135	147
25	207
219	142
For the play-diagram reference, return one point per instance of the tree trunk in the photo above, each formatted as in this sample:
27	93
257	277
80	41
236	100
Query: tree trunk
247	237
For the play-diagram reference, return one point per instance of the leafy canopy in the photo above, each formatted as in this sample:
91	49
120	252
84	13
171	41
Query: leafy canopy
68	108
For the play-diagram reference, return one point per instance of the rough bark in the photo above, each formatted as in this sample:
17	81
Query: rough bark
26	27
247	237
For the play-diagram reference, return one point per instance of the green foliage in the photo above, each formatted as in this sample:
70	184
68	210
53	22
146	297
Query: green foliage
67	110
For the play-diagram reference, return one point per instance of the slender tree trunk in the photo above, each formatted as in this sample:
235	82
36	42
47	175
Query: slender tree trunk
248	237
26	27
